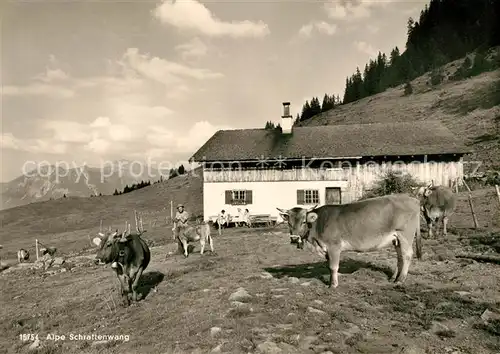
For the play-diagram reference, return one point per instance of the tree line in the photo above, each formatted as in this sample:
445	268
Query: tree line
174	172
133	187
446	30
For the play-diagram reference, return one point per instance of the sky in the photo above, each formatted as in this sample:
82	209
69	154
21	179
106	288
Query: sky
85	82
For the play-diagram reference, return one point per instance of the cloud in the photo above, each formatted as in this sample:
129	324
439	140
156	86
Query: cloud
114	113
38	89
120	132
101	122
9	141
194	16
67	131
366	48
178	92
182	142
372	28
193	49
164	71
98	146
50	83
321	27
352	10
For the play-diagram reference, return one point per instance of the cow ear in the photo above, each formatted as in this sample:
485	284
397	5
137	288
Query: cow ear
312	217
97	241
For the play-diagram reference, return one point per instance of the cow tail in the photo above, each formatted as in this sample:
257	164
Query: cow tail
418	239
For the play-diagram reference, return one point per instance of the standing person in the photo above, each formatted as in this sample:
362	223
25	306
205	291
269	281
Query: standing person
180	223
222	219
246	217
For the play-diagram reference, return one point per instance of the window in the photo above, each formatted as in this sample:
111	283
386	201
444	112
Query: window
239	197
307	196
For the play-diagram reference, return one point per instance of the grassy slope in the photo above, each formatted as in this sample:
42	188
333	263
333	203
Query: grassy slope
458	105
68	221
365	314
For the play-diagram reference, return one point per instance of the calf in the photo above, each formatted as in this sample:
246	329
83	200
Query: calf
438	203
360	226
22	255
200	232
129	256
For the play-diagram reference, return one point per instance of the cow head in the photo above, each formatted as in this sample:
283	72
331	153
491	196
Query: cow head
427	191
111	246
422	191
299	222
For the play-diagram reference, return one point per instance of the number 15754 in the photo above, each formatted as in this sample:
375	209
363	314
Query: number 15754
28	336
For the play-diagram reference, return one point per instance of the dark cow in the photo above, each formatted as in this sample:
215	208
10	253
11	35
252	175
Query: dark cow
438	204
22	255
129	256
360	226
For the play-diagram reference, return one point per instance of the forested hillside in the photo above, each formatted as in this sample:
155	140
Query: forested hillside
445	31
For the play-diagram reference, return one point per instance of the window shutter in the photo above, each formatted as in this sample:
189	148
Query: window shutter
229	197
300	197
249	197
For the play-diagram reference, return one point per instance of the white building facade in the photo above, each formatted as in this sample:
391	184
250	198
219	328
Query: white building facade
260	170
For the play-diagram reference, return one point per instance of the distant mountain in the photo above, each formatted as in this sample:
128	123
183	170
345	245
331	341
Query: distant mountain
52	182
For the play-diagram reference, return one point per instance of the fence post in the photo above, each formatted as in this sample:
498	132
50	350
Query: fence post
36	248
474	218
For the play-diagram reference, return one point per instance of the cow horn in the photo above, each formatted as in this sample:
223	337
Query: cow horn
286	212
311	209
100	234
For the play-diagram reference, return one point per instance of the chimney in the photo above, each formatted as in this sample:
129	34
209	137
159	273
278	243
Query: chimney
286	119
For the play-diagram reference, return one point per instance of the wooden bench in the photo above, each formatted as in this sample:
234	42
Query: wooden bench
259	219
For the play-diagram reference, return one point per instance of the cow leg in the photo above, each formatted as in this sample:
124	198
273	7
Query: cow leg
185	247
399	264
430	225
445	224
202	245
333	257
406	246
211	243
135	284
429	222
125	286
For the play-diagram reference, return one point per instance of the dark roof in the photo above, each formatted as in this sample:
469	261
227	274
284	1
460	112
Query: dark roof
335	141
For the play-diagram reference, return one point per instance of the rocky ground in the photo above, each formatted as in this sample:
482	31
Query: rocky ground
259	294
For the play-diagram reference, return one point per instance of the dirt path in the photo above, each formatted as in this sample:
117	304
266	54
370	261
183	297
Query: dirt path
260	294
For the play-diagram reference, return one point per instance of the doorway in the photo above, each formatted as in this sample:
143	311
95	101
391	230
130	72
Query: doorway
333	196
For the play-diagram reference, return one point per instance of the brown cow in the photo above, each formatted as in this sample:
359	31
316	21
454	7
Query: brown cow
360	226
200	232
129	256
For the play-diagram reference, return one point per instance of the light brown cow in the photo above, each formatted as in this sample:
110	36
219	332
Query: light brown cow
360	226
200	232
